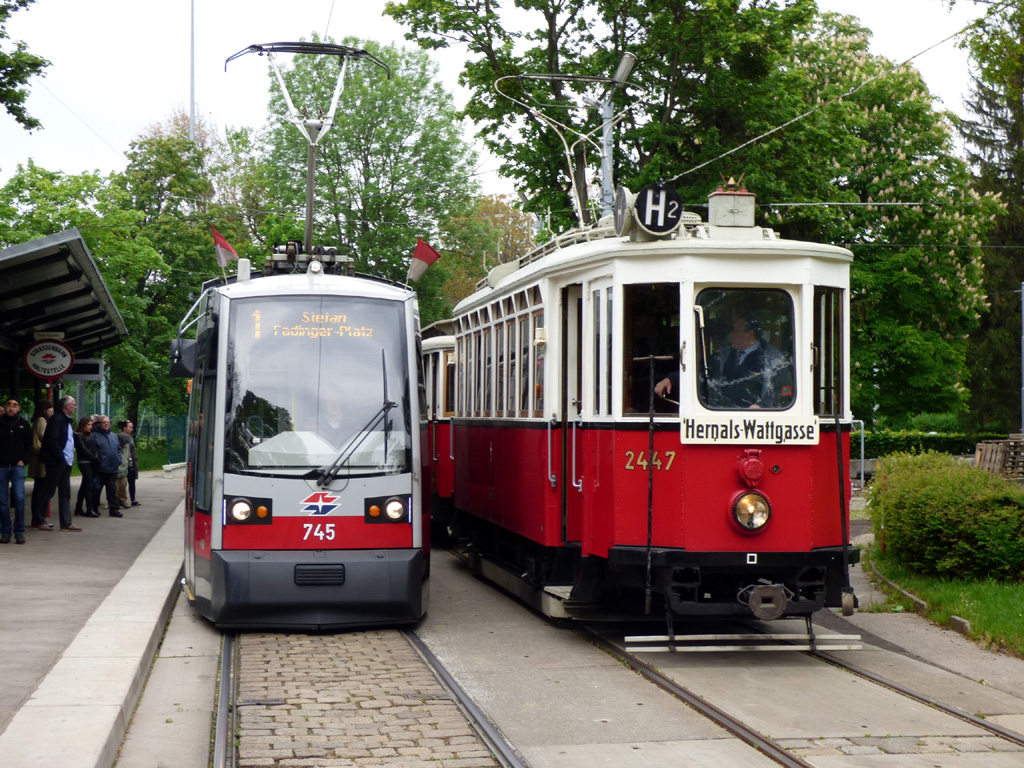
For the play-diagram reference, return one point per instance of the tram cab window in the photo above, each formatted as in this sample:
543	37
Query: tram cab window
314	378
650	323
744	349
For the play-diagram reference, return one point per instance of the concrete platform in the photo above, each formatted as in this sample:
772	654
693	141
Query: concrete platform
82	615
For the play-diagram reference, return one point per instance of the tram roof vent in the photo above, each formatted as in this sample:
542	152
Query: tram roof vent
731	205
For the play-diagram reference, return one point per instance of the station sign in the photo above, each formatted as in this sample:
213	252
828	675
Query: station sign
657	209
49	359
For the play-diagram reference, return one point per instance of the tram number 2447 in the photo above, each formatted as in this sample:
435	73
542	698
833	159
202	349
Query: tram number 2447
639	460
321	531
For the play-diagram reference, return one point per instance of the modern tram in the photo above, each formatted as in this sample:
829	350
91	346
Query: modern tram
303	503
614	455
305	506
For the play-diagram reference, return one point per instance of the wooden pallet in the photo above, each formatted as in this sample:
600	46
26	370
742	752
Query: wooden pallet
1001	457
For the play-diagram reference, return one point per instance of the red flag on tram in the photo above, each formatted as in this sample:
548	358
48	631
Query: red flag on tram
225	252
422	258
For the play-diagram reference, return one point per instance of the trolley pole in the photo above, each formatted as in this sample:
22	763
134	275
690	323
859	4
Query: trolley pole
607	123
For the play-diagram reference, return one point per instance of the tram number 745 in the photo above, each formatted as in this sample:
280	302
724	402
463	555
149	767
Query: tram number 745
321	531
639	460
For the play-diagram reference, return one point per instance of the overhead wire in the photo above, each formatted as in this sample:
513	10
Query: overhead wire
835	100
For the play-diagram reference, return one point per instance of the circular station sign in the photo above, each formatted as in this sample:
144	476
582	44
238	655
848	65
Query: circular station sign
49	359
659	209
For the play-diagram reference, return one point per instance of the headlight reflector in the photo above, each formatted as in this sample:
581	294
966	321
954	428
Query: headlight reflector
751	511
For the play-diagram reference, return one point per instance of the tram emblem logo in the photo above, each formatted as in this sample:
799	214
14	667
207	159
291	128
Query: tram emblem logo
319	504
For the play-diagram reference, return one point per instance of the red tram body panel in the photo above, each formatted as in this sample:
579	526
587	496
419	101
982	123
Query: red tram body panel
661	418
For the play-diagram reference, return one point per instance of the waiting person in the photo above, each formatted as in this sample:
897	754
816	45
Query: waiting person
36	469
85	449
126	485
58	455
15	454
108	451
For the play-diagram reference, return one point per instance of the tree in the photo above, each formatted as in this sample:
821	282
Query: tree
705	74
491	231
717	82
391	169
995	149
17	67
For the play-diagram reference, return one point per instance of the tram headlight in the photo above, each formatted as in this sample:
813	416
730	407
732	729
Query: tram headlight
751	511
248	510
241	510
395	509
387	509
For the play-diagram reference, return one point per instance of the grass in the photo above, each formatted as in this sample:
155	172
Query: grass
994	609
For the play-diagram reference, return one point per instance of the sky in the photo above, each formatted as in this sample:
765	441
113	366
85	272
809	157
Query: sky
119	66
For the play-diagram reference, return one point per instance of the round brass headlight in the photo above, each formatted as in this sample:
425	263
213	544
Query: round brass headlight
751	511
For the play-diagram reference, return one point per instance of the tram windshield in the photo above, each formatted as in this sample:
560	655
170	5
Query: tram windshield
313	378
744	348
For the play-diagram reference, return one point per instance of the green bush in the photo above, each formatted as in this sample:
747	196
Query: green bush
883	442
945	518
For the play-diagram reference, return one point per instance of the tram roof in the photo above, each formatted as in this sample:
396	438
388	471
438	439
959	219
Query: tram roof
303	283
580	248
52	287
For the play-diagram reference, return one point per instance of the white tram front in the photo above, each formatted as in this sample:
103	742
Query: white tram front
303	494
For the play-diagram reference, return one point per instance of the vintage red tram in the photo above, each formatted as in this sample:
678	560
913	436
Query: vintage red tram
653	418
439	386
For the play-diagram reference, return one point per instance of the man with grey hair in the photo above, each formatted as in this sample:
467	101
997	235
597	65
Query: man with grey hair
108	449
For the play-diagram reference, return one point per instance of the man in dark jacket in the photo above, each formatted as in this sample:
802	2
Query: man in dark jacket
15	454
108	451
58	455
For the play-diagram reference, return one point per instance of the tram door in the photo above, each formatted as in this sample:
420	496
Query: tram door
571	409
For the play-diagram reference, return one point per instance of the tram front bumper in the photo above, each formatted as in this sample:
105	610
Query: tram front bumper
724	583
313	590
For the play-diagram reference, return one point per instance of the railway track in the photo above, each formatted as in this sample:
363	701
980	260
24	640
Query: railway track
361	695
382	696
649	666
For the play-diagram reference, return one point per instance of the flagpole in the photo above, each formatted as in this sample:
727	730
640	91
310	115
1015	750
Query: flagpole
192	80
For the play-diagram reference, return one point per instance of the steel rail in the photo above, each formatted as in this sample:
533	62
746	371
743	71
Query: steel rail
495	740
223	731
949	709
718	716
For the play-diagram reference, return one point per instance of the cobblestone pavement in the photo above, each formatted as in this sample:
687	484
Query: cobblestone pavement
353	699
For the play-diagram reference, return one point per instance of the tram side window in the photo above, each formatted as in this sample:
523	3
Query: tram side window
461	389
538	365
828	351
202	416
650	323
499	382
449	384
745	348
524	364
511	408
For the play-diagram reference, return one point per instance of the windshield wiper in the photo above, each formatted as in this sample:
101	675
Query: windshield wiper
329	474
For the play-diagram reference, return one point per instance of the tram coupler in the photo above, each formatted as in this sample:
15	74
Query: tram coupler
766	601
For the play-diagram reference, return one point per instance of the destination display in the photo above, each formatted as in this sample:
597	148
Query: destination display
308	324
748	428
